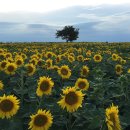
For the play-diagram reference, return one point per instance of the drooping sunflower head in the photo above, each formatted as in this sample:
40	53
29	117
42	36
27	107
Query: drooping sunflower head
97	58
30	69
10	68
1	85
72	99
42	120
84	71
64	71
82	84
119	69
112	118
9	105
3	65
45	85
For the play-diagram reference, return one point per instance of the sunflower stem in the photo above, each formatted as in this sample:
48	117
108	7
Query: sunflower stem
22	87
69	121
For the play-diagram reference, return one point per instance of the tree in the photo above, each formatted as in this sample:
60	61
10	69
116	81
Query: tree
68	33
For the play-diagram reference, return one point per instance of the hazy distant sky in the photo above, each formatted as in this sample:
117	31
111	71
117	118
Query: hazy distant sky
50	5
38	20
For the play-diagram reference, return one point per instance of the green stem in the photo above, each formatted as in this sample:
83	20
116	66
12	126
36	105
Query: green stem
70	121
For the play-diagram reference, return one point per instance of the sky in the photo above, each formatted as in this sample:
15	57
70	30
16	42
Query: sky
38	20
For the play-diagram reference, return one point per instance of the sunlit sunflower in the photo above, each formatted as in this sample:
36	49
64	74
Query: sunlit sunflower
71	58
97	58
112	118
84	71
45	85
9	105
114	57
72	99
48	63
19	62
42	120
10	68
33	61
119	69
3	65
58	58
64	71
82	84
30	69
1	85
80	58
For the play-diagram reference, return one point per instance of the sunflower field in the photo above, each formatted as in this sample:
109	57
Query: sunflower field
64	86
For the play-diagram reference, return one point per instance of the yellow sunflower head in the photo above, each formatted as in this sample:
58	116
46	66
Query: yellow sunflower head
30	69
82	84
3	65
80	58
45	85
42	120
72	99
84	71
128	71
9	105
71	58
10	68
97	58
19	62
119	69
114	57
64	71
49	63
1	85
112	118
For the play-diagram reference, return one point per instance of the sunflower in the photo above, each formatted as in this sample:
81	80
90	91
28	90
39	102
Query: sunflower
3	65
128	71
64	71
42	120
10	68
112	118
19	62
9	105
48	63
118	69
33	61
71	58
45	85
84	71
82	84
114	57
1	85
97	58
80	58
72	99
30	69
58	59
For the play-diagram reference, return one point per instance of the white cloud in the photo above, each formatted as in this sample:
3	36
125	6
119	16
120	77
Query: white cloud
49	5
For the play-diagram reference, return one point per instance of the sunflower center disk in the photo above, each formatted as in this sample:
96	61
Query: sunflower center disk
10	68
3	64
64	71
44	86
81	85
118	69
84	71
30	69
6	105
19	62
40	120
97	58
71	98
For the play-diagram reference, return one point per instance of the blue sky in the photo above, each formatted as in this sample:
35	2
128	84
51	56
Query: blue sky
38	20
